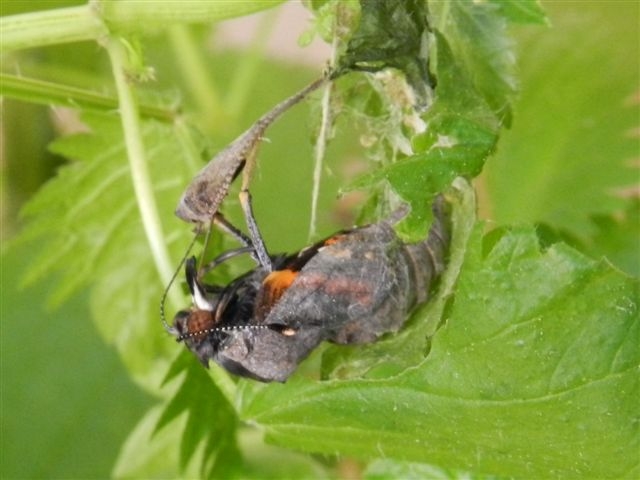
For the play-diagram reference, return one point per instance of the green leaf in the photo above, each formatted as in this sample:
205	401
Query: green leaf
522	11
617	237
391	470
197	430
211	421
461	132
476	32
391	33
570	151
148	453
266	461
88	223
536	364
327	15
471	60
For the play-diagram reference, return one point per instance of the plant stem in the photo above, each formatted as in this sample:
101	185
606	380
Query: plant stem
319	152
320	146
130	15
50	27
46	93
138	164
95	19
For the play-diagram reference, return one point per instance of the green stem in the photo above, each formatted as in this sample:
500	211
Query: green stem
50	27
138	164
320	147
142	185
131	15
90	21
319	153
47	93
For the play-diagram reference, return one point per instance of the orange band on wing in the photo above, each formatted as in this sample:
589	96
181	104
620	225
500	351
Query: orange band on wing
333	240
279	280
273	287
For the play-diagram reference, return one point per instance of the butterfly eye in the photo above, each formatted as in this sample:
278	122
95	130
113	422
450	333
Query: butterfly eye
180	321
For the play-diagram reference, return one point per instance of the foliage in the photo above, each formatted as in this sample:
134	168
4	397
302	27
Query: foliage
574	137
522	363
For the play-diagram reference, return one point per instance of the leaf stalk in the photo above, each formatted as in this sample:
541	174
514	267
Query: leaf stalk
50	27
142	185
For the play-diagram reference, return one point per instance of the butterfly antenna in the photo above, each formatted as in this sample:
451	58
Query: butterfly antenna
171	330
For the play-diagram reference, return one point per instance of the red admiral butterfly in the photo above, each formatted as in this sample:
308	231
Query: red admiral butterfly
349	288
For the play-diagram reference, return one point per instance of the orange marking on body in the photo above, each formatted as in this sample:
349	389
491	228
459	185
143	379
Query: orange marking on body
280	279
276	283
